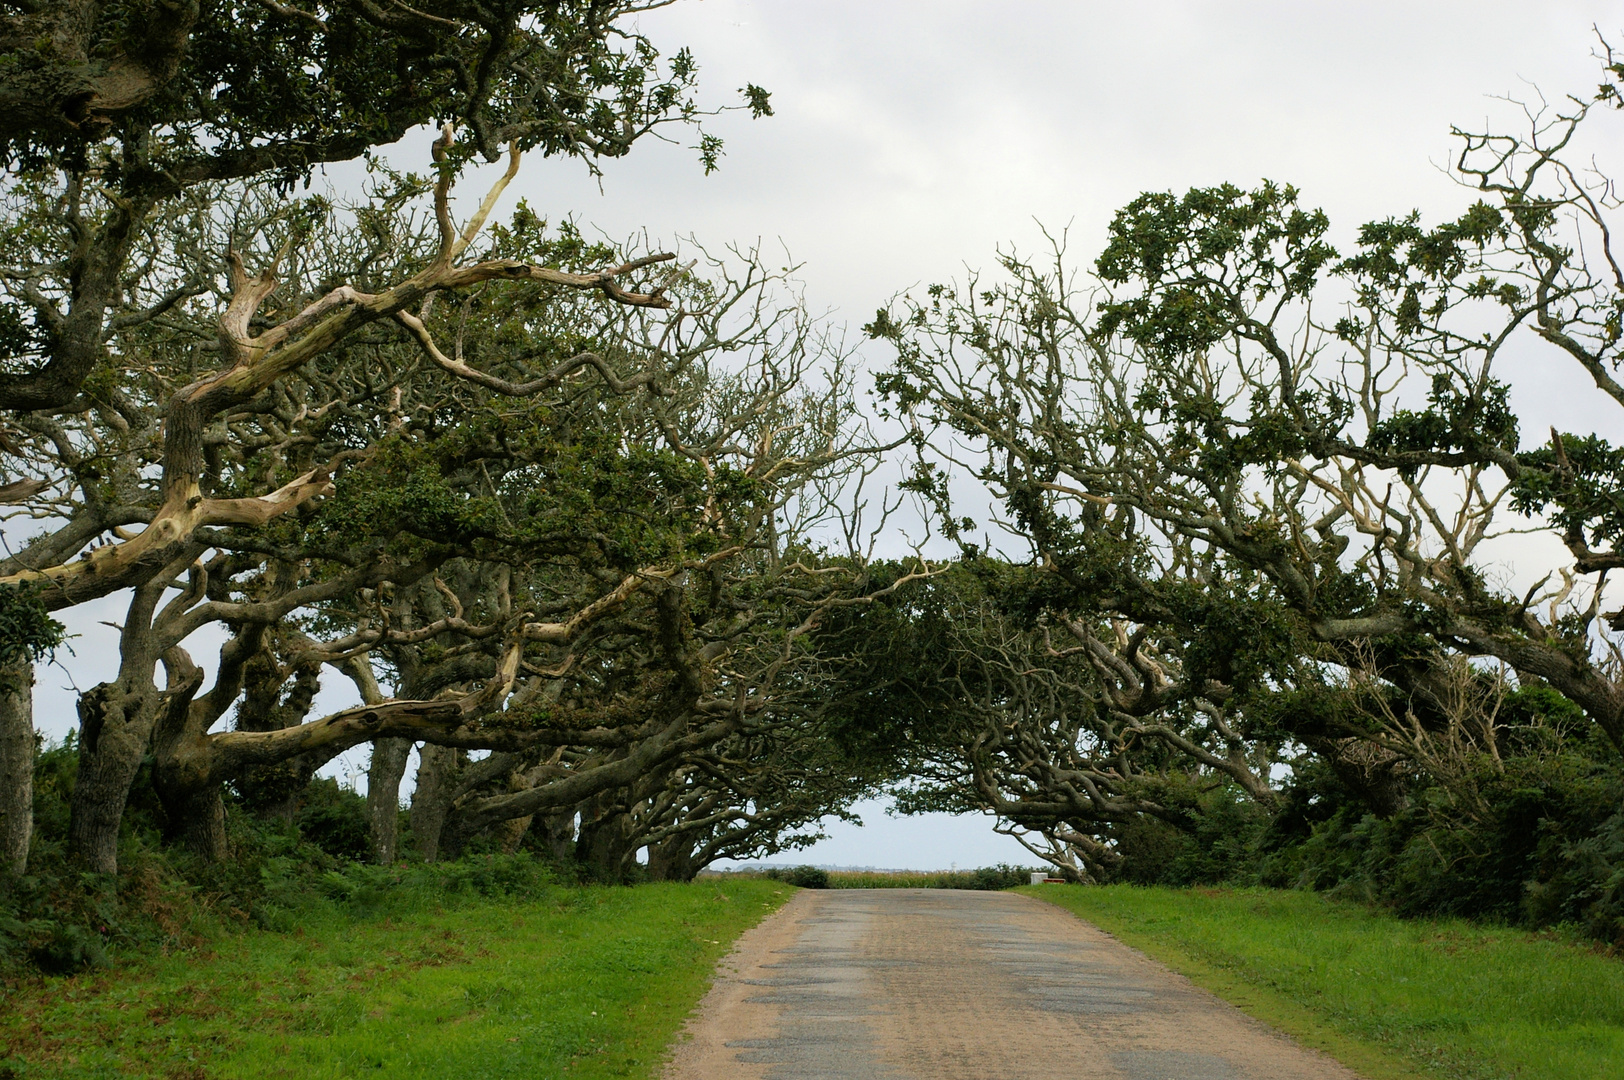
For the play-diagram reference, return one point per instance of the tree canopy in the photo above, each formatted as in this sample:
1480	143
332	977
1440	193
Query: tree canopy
592	529
1264	536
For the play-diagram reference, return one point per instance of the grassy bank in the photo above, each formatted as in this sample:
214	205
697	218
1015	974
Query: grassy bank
1391	998
574	981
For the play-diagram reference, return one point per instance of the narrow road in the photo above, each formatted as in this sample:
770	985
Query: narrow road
928	984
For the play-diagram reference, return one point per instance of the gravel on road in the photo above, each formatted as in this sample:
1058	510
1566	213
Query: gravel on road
938	984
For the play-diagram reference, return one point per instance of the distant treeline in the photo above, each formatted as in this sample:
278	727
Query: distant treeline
987	878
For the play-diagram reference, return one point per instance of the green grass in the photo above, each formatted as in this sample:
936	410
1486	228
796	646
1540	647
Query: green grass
579	982
1391	998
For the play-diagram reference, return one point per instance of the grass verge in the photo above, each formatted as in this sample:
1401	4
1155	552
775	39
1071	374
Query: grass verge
579	982
1392	999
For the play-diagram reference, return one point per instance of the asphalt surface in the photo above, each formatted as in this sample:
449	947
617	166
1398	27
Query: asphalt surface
935	984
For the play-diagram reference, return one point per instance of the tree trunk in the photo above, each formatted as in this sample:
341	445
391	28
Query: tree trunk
276	790
511	832
430	801
58	83
198	821
559	831
602	849
383	796
672	860
16	767
194	815
115	725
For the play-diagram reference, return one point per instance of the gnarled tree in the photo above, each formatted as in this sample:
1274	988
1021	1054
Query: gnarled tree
1191	447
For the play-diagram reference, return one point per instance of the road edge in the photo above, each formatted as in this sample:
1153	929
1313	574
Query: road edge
726	972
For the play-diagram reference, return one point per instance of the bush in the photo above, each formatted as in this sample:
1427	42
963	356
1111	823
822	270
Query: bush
58	920
292	891
807	877
334	819
1535	838
1218	843
1002	876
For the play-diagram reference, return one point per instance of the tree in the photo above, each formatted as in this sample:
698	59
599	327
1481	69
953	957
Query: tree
1191	450
141	179
27	635
127	106
1063	727
190	457
532	498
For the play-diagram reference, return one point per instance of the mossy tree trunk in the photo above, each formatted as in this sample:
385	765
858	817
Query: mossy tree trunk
115	727
429	802
384	774
16	766
672	859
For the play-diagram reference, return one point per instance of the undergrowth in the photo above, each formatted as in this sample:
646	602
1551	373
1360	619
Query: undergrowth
58	920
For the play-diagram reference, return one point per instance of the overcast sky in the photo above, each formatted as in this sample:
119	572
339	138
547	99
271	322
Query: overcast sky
912	138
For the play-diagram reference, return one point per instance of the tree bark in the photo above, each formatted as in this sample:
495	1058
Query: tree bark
559	832
198	822
510	833
429	801
58	85
195	816
388	765
275	790
115	726
16	767
672	859
602	848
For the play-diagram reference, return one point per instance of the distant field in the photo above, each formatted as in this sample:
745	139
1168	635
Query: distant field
1391	998
993	877
582	982
1002	876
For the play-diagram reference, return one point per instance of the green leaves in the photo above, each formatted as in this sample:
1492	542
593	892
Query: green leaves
1417	273
21	335
1582	478
1396	251
1459	420
554	491
1200	262
27	631
757	100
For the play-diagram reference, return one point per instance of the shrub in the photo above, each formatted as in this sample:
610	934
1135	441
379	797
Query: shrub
1535	838
58	920
807	877
334	819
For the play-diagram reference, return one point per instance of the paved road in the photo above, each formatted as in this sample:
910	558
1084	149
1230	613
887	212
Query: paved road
928	984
